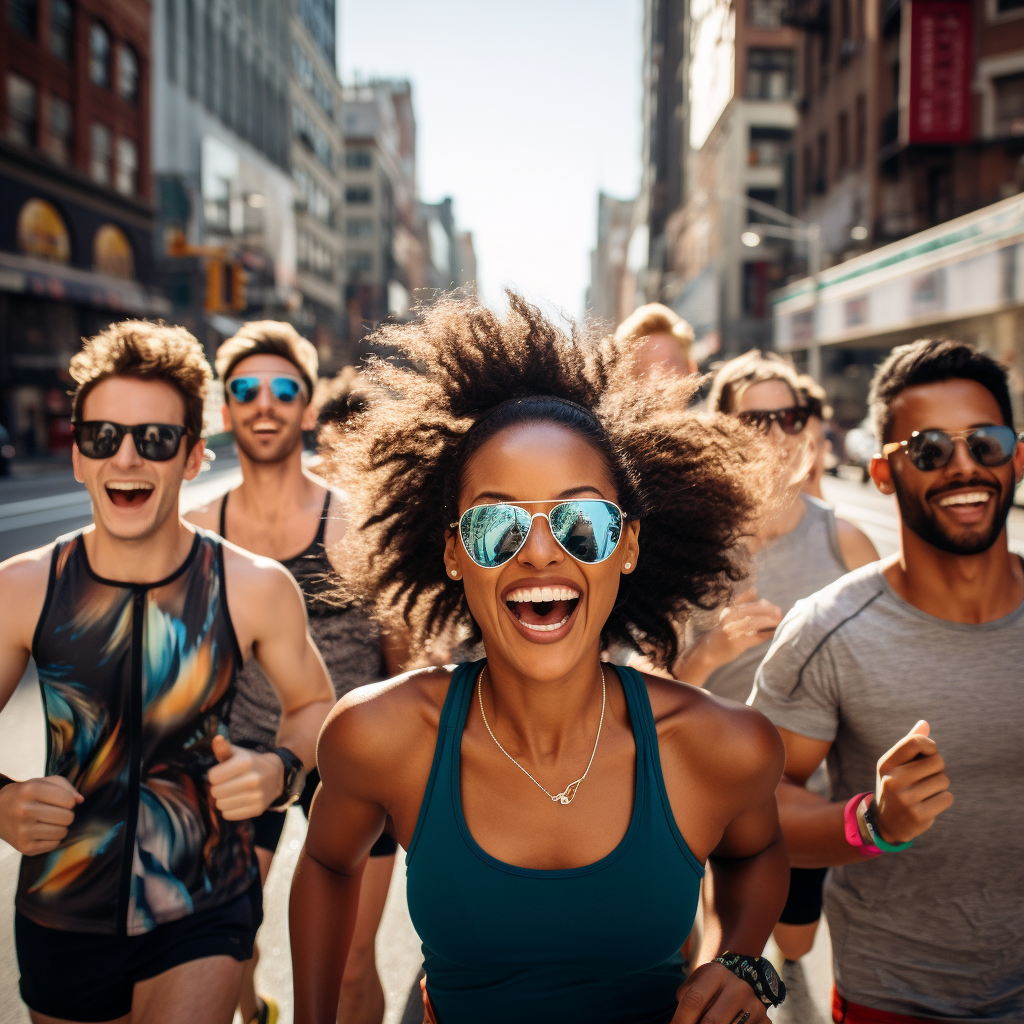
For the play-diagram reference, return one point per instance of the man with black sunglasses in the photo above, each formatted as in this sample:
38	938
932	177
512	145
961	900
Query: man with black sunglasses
282	511
906	676
139	892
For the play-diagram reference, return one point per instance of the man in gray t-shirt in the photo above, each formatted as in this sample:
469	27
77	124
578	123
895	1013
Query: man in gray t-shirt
906	675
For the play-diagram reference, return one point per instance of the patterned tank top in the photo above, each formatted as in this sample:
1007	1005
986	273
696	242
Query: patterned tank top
136	681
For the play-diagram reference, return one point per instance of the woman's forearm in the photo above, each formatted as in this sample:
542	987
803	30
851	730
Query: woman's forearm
814	828
321	917
742	901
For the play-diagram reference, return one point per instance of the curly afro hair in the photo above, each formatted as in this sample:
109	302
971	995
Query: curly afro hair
697	482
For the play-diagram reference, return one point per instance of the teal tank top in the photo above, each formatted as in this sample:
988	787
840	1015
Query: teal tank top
598	944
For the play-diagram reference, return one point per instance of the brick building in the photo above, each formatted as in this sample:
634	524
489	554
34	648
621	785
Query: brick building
76	217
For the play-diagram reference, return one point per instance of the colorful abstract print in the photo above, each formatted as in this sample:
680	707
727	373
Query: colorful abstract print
136	681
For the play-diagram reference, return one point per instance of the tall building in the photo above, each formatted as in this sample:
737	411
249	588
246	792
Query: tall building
222	151
612	294
317	157
76	203
910	148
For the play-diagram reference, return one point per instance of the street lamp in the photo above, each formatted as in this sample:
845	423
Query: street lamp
796	230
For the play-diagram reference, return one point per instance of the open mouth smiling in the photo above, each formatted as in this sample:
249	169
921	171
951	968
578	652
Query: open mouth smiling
128	493
542	609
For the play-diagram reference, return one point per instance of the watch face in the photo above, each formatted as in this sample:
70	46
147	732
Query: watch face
771	978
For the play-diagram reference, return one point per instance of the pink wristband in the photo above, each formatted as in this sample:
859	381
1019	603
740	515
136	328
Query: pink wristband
853	836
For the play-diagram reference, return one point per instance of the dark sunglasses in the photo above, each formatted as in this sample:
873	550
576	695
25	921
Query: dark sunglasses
932	449
790	421
247	389
101	439
586	528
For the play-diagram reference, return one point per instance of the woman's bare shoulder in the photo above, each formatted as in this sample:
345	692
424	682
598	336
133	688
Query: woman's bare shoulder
731	741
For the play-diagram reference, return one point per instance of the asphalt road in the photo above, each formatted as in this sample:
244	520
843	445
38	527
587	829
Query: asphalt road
33	512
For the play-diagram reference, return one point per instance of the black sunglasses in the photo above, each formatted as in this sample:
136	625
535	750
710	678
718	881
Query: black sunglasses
932	449
790	421
101	439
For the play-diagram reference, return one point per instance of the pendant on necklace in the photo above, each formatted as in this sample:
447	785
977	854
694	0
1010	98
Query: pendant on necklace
565	797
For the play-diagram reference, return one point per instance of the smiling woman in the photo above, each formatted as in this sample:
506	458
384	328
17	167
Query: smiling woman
523	487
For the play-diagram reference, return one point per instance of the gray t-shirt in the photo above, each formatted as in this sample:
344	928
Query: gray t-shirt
937	931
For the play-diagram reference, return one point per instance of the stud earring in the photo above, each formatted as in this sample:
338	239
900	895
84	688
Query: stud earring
455	574
628	565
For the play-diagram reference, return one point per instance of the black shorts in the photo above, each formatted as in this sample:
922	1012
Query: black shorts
80	976
803	904
267	828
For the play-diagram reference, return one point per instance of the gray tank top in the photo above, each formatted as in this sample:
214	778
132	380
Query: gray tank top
345	634
795	566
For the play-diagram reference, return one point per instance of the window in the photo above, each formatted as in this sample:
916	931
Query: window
100	153
311	196
191	49
358	159
58	129
768	146
226	78
360	262
23	17
171	39
1009	104
358	195
21	110
209	63
843	142
808	171
821	178
312	135
99	55
860	130
62	24
769	74
127	167
359	227
312	255
310	80
127	73
770	196
765	13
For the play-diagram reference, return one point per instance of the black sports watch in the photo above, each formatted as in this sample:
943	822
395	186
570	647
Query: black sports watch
293	779
758	973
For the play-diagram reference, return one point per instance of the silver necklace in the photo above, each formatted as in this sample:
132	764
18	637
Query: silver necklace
565	797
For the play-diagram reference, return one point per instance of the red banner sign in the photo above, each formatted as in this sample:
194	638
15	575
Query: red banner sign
941	67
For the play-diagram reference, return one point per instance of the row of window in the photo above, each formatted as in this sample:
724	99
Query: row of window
851	150
220	74
313	135
312	197
46	122
310	80
314	256
57	36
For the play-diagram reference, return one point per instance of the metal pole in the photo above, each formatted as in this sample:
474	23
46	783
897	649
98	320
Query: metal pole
814	271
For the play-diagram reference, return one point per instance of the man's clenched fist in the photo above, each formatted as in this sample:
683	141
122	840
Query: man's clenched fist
245	783
912	787
35	815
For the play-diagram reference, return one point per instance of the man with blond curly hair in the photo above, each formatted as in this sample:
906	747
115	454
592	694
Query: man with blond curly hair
139	895
665	339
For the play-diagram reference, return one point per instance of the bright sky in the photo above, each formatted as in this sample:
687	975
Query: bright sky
524	111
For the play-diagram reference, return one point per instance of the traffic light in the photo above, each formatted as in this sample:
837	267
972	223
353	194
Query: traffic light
214	285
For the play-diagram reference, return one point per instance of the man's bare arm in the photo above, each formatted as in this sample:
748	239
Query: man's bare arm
34	813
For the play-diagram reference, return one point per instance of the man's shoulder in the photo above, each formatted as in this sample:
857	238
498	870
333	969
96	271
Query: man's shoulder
28	567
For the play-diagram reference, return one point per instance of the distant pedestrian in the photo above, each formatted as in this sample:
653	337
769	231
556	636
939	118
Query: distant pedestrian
558	811
138	892
282	511
666	339
906	676
819	412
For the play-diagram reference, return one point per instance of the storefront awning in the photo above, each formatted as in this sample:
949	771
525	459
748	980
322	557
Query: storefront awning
23	275
910	283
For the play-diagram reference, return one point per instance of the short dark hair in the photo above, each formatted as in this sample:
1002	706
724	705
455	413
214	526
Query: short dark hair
930	361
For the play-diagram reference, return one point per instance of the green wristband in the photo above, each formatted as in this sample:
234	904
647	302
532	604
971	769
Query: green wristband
877	839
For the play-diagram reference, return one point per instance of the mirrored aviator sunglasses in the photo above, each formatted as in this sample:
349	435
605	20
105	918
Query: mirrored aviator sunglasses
588	529
247	389
929	450
101	439
791	421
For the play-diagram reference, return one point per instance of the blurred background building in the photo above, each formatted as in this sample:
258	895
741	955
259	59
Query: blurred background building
76	198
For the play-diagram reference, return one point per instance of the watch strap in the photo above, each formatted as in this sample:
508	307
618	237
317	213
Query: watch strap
758	973
293	768
871	820
851	827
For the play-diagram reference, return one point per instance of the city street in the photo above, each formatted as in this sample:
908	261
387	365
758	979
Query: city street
33	511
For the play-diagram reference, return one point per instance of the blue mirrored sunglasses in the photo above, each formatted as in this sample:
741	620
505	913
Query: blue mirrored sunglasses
586	528
247	389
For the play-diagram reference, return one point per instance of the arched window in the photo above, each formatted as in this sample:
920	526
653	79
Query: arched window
127	73
112	253
99	55
42	233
